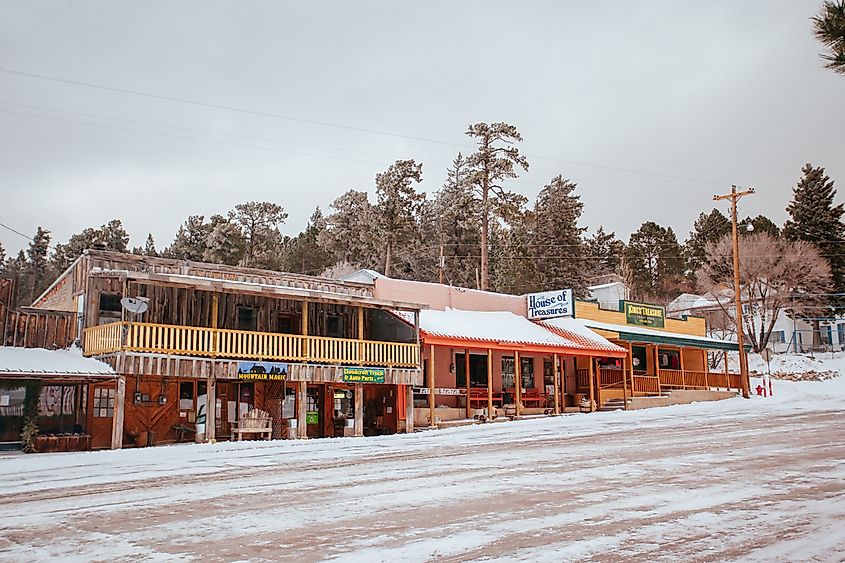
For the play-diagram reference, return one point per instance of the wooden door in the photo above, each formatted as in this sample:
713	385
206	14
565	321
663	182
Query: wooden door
101	400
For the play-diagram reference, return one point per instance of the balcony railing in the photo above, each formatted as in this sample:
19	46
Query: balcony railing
246	345
666	378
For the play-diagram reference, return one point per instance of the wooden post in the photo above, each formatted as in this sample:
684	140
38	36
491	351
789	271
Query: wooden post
211	407
359	410
727	373
215	344
431	386
517	379
657	369
625	382
361	335
117	419
466	373
706	368
304	330
302	410
556	376
409	409
683	372
490	414
591	372
630	365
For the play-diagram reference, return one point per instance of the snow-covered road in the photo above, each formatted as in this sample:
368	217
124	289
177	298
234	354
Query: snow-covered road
744	480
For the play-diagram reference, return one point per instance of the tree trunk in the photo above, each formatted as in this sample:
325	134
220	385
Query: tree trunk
387	262
485	219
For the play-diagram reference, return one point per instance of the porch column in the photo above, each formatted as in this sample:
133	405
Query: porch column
727	373
657	368
117	419
556	376
358	430
360	335
625	382
302	410
215	345
409	409
211	407
706	368
517	368
490	414
466	373
431	386
304	329
630	368
681	363
592	373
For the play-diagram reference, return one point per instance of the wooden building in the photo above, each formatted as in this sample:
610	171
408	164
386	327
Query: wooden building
495	363
319	355
662	354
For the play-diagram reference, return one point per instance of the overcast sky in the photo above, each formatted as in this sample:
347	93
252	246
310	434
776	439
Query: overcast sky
693	95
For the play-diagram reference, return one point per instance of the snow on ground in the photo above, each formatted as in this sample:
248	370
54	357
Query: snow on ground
795	365
752	480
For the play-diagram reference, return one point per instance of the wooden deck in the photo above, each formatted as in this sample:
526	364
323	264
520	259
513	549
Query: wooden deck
247	345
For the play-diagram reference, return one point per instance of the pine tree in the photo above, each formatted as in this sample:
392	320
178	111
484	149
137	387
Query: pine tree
259	223
347	232
829	28
36	277
815	218
514	268
604	252
150	246
397	207
761	224
190	241
709	227
458	216
495	160
2	256
655	259
225	244
303	253
557	238
113	236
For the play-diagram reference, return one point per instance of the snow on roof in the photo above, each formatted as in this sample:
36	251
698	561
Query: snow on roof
628	329
33	361
605	285
364	275
688	301
576	331
505	327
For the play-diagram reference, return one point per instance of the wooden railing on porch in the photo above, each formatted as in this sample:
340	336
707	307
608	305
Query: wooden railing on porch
645	384
241	344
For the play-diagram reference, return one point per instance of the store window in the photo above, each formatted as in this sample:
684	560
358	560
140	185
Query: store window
527	367
669	359
110	310
103	402
186	395
508	372
247	318
287	323
477	370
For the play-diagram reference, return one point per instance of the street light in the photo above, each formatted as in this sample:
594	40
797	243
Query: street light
734	196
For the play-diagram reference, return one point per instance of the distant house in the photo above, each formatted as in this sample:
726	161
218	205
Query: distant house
788	335
609	294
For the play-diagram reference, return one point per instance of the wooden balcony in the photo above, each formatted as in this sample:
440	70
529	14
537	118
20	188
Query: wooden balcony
246	345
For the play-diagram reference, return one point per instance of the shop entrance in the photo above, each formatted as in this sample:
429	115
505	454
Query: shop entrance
380	413
343	411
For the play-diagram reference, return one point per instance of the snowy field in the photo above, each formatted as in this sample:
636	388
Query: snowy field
749	480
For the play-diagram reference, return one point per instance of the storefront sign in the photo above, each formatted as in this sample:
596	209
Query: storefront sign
440	391
363	375
262	371
550	304
312	417
644	315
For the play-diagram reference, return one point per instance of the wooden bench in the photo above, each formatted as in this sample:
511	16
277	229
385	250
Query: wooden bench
255	421
537	398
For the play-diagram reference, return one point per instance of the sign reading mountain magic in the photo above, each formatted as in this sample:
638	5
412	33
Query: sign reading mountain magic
363	375
550	304
262	371
644	315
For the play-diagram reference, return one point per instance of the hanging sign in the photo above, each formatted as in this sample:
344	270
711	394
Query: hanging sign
262	371
440	391
644	315
550	304
363	375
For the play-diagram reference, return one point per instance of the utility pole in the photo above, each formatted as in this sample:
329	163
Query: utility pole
734	196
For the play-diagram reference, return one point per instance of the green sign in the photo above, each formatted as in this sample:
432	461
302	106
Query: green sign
363	375
644	315
312	417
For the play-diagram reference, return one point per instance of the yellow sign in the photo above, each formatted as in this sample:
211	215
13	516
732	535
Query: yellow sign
644	314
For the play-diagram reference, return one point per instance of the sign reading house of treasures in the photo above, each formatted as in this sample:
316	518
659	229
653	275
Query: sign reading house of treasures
550	304
644	314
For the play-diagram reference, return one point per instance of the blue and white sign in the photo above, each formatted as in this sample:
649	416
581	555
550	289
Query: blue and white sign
550	304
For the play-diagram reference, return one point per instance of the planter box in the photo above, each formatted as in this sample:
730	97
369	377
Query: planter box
70	443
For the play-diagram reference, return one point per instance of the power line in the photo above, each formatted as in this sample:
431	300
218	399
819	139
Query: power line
331	124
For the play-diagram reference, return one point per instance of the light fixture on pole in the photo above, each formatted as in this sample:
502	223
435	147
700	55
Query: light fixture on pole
734	196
